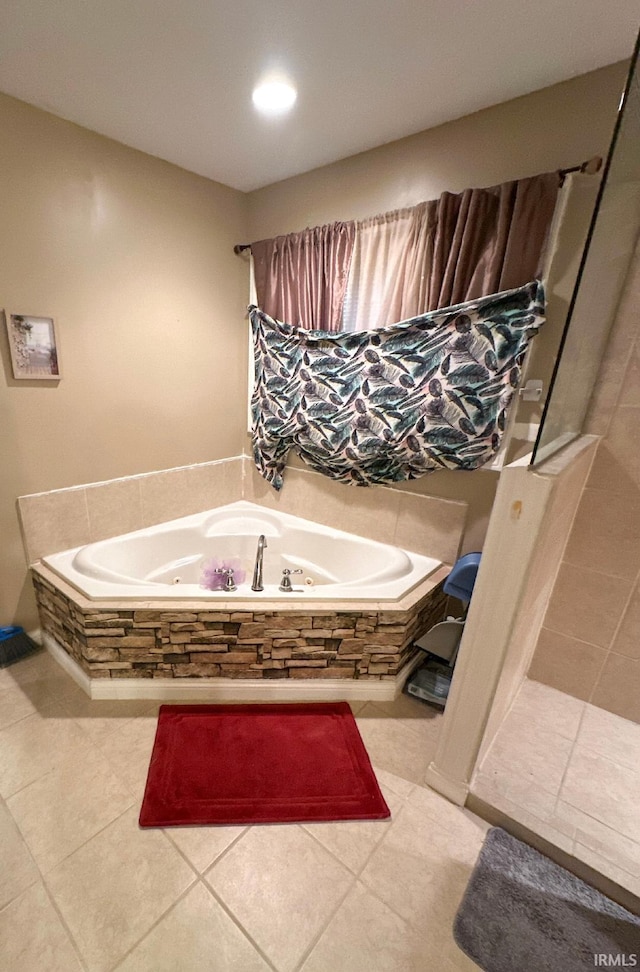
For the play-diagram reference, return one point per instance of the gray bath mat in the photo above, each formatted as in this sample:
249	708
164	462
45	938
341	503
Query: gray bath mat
523	913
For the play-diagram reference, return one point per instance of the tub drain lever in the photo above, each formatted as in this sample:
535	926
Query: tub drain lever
285	583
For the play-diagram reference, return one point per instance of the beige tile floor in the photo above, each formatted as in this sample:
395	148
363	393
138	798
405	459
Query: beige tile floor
83	888
570	772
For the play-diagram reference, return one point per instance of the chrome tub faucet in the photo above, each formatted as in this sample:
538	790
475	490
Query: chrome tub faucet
257	570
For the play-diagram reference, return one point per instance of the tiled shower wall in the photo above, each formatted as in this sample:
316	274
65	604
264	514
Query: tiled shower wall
589	645
66	518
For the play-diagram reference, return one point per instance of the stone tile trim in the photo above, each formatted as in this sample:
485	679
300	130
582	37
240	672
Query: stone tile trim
134	643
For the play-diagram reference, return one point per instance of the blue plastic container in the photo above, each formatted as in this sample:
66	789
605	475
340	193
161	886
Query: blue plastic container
463	575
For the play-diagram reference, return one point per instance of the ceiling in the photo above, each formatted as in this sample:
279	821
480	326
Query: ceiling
174	77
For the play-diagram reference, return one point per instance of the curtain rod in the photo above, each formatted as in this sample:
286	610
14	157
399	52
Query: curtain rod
590	167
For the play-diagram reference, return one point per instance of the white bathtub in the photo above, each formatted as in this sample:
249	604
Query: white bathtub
165	561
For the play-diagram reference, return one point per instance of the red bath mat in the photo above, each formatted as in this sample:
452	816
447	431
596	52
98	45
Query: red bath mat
231	764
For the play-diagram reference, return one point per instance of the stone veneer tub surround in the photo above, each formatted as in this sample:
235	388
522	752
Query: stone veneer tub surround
189	648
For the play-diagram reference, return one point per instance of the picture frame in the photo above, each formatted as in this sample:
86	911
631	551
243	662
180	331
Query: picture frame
34	347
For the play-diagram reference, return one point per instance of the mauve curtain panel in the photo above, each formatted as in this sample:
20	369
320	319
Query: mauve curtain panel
490	240
301	278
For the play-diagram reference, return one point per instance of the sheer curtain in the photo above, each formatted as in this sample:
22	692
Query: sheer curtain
389	268
301	278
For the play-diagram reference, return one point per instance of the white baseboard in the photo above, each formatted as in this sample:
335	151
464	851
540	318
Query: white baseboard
456	791
405	672
66	661
228	689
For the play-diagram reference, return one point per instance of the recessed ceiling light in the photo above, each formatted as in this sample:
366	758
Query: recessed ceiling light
274	97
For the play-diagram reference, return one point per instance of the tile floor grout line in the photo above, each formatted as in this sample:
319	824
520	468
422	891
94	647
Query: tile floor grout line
603	756
309	949
552	792
27	715
45	885
54	765
478	767
364	883
388	821
609	759
382	839
84	842
83	963
432	819
604	857
178	849
30	783
386	904
568	763
211	863
618	833
183	894
393	910
227	910
7	904
378	897
33	861
225	851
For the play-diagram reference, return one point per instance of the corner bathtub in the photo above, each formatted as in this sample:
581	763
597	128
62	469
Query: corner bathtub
165	561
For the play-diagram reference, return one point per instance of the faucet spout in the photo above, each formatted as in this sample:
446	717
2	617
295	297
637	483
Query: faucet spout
257	570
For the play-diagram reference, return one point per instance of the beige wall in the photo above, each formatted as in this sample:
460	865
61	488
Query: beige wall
555	127
133	259
590	643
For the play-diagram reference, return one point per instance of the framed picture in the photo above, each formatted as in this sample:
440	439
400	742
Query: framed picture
32	342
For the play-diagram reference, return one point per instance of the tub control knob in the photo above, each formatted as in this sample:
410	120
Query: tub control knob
229	582
285	583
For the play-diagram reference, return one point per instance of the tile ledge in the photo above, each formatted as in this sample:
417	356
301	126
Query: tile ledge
338	607
120	479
